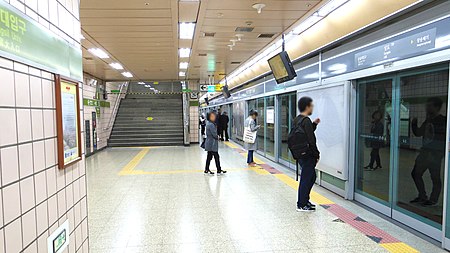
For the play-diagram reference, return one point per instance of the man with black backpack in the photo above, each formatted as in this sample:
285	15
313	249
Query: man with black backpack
302	143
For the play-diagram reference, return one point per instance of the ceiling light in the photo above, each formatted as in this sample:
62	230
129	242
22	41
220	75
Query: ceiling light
182	73
99	53
184	65
330	7
233	41
127	74
187	30
116	65
220	15
239	36
307	23
184	52
141	83
231	47
82	37
259	7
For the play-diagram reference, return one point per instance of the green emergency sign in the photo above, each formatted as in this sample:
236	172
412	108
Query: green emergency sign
25	40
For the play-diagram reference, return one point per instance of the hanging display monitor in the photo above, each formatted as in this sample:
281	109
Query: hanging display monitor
282	67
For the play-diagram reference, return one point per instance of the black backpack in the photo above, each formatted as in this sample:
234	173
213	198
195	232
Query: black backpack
297	140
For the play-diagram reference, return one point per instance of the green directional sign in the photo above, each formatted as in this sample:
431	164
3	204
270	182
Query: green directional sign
25	40
115	91
96	103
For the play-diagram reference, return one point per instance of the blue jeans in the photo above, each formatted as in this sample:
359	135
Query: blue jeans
307	179
250	156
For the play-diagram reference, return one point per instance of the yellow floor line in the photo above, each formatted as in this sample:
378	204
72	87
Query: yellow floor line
135	161
231	145
398	247
167	172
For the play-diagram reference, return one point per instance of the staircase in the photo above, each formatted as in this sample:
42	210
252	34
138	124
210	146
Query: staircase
148	120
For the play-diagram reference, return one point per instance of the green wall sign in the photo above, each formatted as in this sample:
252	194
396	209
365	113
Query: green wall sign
96	103
24	40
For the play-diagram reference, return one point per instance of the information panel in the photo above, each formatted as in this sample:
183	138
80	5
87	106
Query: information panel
68	123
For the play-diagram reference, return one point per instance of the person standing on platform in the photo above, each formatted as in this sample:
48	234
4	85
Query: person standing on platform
212	144
202	122
224	123
250	122
310	157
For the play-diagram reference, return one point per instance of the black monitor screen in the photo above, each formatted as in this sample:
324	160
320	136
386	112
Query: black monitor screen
282	67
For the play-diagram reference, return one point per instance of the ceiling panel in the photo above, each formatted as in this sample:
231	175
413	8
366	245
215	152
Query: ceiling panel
143	35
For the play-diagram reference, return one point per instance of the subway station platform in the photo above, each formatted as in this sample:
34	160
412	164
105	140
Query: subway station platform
159	200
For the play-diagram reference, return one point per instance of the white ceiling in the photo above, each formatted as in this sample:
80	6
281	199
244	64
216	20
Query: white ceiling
144	38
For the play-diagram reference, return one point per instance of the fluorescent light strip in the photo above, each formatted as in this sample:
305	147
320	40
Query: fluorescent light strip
99	53
116	65
184	65
184	52
187	30
182	73
127	74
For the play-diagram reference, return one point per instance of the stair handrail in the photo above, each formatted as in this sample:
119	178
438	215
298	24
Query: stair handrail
123	89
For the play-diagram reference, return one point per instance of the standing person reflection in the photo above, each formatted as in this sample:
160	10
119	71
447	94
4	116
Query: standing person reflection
376	141
432	131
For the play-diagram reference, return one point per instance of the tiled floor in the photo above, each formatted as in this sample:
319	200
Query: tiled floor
158	200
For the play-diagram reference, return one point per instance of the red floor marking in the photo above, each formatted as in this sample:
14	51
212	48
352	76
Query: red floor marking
270	169
360	224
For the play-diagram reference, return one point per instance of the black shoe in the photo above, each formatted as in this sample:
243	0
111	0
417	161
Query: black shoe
311	205
208	172
429	203
378	167
306	209
368	167
221	172
418	200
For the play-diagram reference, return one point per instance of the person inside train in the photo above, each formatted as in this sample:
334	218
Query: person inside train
433	132
310	157
212	144
251	146
224	120
376	141
202	123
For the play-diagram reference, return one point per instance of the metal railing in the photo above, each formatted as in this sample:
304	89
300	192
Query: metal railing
123	88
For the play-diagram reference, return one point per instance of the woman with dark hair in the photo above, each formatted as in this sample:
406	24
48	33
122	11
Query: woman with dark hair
250	122
376	140
212	144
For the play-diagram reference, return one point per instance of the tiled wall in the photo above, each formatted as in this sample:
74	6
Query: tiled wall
194	124
103	129
35	196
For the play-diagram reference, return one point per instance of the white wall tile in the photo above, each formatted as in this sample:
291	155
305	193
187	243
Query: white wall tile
11	203
51	181
32	248
6	63
7	96
62	205
53	10
29	227
38	124
36	91
27	197
52	210
50	152
42	243
41	217
49	123
23	125
10	165
22	89
43	8
33	4
2	241
39	156
48	94
40	187
8	132
13	236
26	160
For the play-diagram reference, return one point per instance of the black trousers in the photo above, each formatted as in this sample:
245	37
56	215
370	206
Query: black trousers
209	157
225	133
375	157
431	161
307	180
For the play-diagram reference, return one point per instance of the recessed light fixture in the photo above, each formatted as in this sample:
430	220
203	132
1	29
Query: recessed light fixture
187	30
184	65
141	83
127	74
147	4
99	53
239	36
231	47
233	41
182	73
220	15
259	7
116	65
184	52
